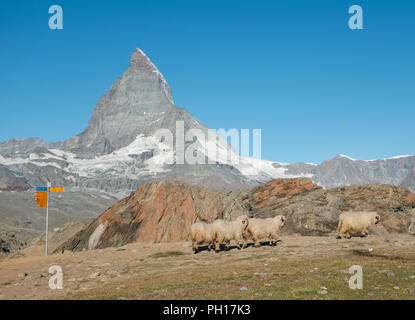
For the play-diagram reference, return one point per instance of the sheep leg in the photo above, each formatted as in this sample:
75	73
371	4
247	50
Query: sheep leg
271	240
275	238
217	246
227	244
340	234
194	246
348	235
245	237
244	243
256	243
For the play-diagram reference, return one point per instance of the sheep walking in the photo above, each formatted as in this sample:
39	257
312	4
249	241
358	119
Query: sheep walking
263	228
226	231
201	233
356	223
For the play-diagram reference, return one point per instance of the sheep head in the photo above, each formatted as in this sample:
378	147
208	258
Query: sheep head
243	221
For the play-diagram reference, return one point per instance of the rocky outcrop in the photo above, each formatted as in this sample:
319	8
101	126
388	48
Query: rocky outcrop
409	181
315	211
157	212
164	211
10	182
410	199
263	198
9	242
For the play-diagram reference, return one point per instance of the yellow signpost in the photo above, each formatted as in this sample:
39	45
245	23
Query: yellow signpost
42	200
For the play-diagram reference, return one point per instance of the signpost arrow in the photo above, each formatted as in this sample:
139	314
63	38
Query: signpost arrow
42	200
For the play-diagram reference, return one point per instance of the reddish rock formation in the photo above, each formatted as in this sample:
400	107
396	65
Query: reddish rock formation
315	211
411	198
164	211
157	212
268	194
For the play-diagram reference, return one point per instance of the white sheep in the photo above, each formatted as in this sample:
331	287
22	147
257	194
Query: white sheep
263	228
201	233
356	223
226	231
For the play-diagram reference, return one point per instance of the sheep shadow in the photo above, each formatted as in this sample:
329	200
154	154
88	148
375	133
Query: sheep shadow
262	243
203	248
222	247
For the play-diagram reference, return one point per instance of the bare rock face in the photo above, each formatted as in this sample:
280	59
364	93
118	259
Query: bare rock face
9	242
262	198
157	212
410	199
409	181
343	171
411	228
9	181
315	211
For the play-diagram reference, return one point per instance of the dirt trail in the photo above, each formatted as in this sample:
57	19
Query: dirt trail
297	268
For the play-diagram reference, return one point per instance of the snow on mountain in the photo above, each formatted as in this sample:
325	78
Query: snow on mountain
155	157
119	150
347	157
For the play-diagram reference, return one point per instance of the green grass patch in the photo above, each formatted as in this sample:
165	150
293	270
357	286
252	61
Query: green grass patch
168	254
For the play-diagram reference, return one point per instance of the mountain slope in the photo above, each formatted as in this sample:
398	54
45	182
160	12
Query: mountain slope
343	170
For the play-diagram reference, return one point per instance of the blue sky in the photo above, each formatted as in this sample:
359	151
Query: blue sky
291	68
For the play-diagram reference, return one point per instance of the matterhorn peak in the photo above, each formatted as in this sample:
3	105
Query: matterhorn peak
140	61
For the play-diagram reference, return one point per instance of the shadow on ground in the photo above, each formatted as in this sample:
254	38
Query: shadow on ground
222	247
